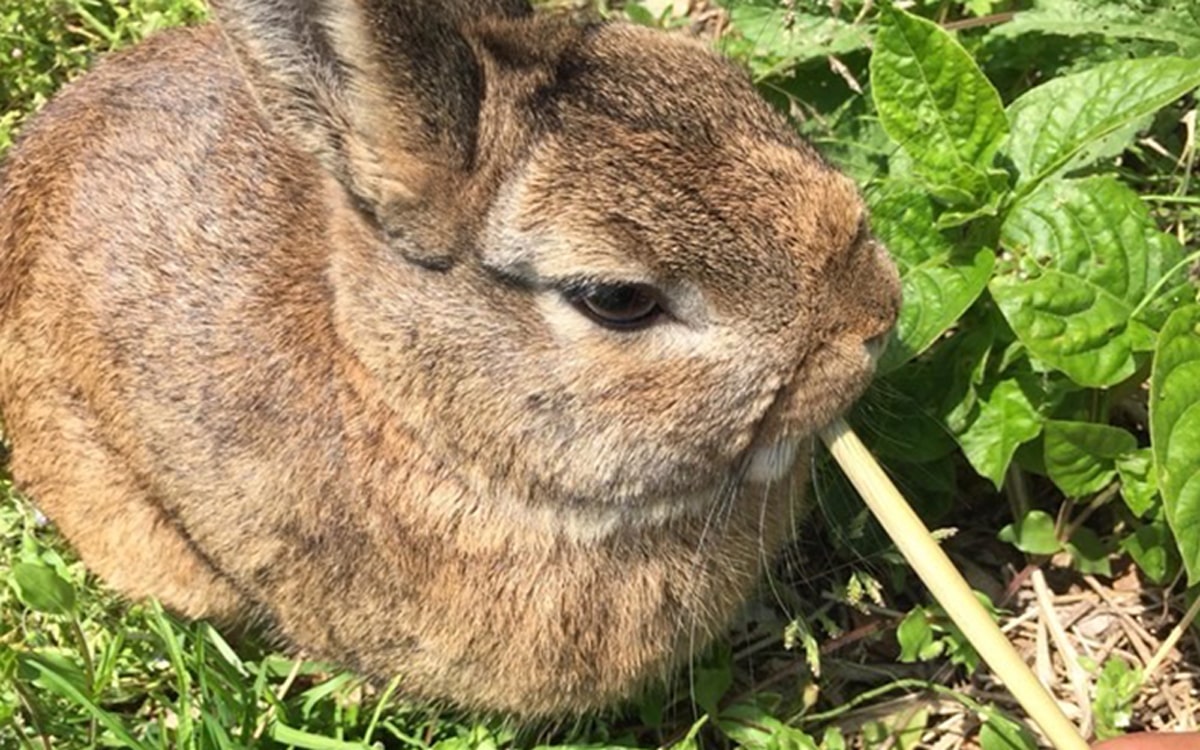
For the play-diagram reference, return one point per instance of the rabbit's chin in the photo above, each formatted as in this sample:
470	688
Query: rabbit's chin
772	465
772	462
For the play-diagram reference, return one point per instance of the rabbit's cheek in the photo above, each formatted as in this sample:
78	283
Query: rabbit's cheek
826	387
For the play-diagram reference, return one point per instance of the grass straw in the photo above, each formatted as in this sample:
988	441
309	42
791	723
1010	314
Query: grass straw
948	586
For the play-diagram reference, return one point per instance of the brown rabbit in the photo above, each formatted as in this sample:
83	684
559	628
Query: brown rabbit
451	340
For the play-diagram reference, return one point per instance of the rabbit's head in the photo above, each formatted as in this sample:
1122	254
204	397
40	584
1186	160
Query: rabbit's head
588	263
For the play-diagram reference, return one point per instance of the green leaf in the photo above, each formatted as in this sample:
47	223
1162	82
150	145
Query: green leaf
907	727
833	739
1034	534
1116	688
41	588
1153	549
50	677
939	280
1097	228
1175	429
637	13
1005	419
1108	19
938	106
1081	456
1089	553
754	728
1072	326
1053	124
1002	733
711	683
1088	260
1139	481
64	664
691	740
286	735
916	637
959	368
788	37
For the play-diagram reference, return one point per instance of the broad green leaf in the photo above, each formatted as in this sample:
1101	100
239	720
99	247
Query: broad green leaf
1153	549
41	588
1081	456
1005	419
1034	534
957	217
787	37
1054	123
960	367
1089	553
935	102
939	280
650	706
981	8
1175	429
1139	481
1088	257
1107	19
958	647
1097	228
897	426
908	725
1070	325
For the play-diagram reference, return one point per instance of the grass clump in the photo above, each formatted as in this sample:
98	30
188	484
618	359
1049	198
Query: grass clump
45	43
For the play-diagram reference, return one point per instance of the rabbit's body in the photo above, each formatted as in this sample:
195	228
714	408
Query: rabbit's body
330	369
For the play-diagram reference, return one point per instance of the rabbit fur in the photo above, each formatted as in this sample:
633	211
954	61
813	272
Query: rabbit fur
294	327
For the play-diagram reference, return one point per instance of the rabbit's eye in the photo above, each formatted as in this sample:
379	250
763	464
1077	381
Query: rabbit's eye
617	305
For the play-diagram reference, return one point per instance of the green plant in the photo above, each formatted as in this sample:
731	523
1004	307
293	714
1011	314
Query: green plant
1115	690
1086	301
1049	325
44	44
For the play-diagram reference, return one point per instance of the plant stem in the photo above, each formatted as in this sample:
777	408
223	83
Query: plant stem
383	700
947	585
1172	638
89	671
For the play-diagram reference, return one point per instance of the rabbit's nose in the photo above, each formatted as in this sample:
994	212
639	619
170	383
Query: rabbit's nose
872	291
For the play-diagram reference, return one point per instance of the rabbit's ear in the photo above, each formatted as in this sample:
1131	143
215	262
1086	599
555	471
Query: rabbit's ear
385	94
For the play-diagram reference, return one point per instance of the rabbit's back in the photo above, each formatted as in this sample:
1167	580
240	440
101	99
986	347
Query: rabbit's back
153	224
157	283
